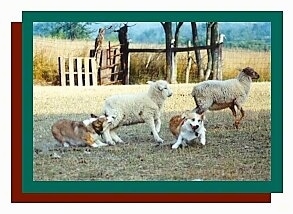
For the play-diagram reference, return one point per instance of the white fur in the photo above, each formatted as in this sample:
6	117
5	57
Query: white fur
192	128
137	108
99	143
89	121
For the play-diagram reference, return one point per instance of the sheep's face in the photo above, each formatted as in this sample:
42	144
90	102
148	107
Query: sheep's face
251	72
163	87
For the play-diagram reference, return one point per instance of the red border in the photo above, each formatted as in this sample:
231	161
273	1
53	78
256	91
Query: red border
18	196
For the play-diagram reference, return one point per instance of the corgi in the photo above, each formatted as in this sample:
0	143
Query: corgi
187	127
81	133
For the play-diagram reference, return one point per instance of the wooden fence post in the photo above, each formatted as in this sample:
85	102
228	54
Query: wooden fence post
62	75
71	71
94	72
86	71
173	65
79	71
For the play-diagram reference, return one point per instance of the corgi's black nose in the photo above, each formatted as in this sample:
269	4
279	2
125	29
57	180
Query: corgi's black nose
195	127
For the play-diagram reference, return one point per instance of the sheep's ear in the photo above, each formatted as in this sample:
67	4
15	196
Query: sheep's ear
94	116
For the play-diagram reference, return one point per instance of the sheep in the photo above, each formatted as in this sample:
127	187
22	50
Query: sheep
130	109
217	95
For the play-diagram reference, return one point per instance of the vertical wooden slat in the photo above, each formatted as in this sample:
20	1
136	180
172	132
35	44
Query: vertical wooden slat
94	71
86	71
105	71
114	69
79	71
71	71
109	55
62	71
128	70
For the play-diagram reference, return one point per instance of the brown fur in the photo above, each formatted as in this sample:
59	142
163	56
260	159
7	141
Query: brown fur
175	124
76	133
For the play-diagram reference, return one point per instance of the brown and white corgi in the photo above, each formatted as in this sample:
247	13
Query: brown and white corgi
187	127
81	133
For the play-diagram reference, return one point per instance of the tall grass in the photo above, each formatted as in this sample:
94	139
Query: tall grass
143	66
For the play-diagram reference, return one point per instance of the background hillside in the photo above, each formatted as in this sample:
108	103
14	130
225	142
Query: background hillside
249	35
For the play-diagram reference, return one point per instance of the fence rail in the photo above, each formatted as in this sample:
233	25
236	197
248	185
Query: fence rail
177	49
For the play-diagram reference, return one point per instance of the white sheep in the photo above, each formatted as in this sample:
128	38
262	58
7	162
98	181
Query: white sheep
217	94
137	108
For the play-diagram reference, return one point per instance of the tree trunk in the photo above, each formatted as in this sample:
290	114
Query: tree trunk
215	51
168	37
209	52
174	58
195	43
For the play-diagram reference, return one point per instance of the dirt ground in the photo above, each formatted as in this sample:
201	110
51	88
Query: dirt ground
230	154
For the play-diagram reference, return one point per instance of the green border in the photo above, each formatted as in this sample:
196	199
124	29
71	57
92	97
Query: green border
273	186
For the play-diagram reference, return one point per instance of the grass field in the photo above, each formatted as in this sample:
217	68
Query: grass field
229	154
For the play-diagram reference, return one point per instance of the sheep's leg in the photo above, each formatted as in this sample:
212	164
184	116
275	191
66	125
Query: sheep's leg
151	124
158	124
237	122
234	114
203	106
115	137
108	137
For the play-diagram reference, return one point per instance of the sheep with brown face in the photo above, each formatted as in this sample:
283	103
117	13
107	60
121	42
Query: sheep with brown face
216	95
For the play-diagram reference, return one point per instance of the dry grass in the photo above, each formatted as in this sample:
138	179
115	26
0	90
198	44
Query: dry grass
230	154
143	66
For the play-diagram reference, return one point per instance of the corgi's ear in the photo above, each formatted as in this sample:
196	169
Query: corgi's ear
94	116
183	115
202	116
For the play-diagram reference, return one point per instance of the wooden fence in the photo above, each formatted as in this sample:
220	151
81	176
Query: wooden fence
91	71
215	59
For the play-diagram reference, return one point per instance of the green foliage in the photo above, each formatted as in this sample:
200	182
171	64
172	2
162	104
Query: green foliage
64	30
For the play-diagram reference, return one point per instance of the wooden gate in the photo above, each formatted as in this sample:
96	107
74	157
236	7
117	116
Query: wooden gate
91	71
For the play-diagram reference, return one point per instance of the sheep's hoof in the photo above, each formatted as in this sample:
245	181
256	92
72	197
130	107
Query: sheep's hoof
159	141
111	143
236	124
121	141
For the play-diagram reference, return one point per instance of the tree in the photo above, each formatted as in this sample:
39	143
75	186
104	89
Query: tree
168	40
65	30
171	71
195	42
